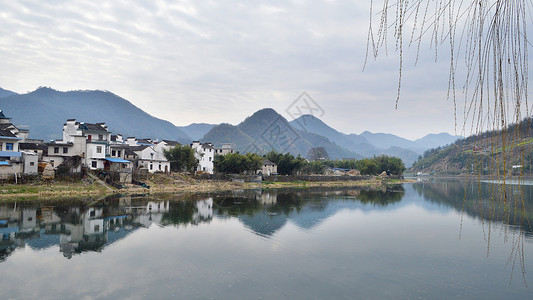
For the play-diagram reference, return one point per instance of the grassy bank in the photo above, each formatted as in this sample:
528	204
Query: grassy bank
159	183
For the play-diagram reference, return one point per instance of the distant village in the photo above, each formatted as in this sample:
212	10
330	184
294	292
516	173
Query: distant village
94	147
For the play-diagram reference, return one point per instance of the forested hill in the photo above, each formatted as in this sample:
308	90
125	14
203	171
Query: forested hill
509	150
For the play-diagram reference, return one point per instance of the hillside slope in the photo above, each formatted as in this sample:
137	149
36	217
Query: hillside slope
491	152
45	110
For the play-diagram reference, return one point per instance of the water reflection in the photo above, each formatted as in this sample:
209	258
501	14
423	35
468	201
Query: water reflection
78	227
483	201
396	243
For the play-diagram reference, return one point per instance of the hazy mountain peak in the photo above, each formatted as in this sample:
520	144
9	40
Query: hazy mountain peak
6	93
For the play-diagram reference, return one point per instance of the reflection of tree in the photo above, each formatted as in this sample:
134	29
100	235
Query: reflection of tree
180	213
381	197
480	200
509	206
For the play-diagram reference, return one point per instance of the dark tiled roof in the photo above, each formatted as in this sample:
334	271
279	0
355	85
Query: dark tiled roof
92	127
268	162
171	143
128	151
207	146
32	146
2	116
144	141
5	125
7	133
121	146
138	148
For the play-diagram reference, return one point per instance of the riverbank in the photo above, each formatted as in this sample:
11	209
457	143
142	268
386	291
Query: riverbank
159	183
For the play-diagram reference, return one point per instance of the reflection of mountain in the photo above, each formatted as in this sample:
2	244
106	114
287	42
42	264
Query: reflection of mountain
482	199
308	209
264	223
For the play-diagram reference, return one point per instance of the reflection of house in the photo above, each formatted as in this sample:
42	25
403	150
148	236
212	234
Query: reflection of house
152	213
72	229
268	198
204	210
205	153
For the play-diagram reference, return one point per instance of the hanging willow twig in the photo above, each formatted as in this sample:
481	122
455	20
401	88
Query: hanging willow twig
487	42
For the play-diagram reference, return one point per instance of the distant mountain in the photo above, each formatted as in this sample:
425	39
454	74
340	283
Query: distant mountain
6	93
369	144
45	110
260	133
386	140
436	140
197	130
352	142
227	133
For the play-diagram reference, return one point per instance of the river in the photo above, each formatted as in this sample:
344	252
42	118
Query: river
426	240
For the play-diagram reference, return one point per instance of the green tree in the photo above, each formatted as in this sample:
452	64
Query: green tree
236	163
181	158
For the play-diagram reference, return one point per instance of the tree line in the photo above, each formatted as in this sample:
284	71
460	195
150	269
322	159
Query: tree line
182	158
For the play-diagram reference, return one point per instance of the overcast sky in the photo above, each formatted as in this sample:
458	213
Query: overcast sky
221	60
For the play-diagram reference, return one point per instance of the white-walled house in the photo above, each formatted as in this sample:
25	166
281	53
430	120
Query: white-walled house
148	158
205	153
226	148
86	140
268	168
10	156
30	161
12	159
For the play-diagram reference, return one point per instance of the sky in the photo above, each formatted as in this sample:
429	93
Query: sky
220	61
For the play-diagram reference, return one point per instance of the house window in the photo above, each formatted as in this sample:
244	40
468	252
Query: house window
56	149
89	137
209	158
32	163
96	228
159	167
98	149
65	150
92	213
9	146
118	153
113	153
151	167
151	156
100	137
1	146
94	164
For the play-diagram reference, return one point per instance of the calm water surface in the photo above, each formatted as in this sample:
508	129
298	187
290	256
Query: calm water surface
417	241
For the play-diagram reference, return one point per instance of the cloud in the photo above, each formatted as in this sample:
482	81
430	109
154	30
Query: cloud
216	61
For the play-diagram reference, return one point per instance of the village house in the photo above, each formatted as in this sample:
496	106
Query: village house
147	155
14	160
86	140
90	145
10	156
205	153
226	148
268	168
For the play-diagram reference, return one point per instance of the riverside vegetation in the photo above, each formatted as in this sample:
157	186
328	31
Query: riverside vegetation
68	185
